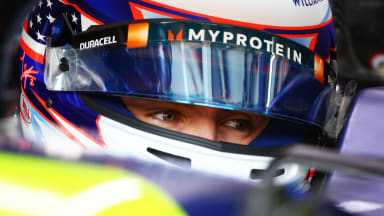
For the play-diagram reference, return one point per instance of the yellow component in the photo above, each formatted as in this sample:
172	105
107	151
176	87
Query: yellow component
33	185
7	213
153	202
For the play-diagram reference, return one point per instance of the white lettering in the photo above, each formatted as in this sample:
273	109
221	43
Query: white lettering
198	36
227	37
297	56
269	45
279	49
98	42
252	42
288	52
213	35
241	39
106	40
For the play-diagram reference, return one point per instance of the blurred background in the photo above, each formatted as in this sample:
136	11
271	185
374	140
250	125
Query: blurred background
12	17
11	22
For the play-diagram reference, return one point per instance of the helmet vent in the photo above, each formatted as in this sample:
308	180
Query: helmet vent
257	173
171	158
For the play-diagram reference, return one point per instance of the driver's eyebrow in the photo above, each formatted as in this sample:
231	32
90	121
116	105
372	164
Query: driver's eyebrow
154	104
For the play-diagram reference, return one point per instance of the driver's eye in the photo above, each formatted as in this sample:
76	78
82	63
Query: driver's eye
238	124
165	115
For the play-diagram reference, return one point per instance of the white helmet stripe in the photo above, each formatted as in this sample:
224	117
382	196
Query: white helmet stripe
31	43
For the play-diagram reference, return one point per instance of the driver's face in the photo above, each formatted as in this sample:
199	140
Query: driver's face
206	122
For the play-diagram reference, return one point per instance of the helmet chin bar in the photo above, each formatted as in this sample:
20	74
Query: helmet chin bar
186	163
150	147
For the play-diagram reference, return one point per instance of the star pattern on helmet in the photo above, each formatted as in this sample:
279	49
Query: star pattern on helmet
44	15
74	18
50	18
49	4
38	18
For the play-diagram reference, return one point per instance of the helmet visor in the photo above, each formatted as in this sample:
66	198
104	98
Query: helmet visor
207	64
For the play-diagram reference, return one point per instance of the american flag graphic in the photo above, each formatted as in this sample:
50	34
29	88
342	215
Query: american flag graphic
39	21
38	25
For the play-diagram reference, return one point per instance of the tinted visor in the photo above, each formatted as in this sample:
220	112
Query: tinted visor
207	64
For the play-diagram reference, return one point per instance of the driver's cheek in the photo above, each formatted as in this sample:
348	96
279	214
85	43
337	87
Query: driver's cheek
231	135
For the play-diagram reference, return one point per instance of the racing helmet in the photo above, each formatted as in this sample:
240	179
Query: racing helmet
79	60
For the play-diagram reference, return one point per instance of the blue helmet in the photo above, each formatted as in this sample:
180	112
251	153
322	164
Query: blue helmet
80	59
